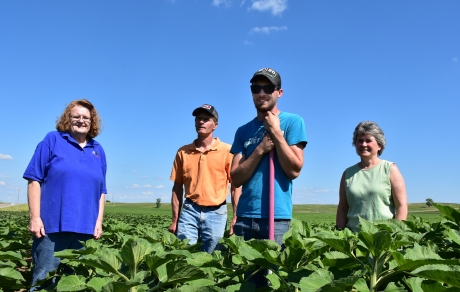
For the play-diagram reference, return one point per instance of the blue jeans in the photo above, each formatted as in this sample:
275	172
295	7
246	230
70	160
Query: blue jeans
43	252
257	228
209	223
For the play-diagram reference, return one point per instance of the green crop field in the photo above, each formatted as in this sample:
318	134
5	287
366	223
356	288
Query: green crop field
308	212
137	253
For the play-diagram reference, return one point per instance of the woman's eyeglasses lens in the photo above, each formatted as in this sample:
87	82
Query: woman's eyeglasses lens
84	119
268	89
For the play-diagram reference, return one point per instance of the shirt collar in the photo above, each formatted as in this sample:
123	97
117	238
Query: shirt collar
90	143
192	146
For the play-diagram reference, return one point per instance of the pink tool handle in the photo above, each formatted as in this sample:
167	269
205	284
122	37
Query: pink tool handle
271	197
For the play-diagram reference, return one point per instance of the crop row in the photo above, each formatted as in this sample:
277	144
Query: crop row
137	253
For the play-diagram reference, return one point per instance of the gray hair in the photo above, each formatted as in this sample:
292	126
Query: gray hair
370	128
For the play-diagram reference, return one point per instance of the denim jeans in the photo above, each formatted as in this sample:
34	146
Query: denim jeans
43	252
257	228
209	223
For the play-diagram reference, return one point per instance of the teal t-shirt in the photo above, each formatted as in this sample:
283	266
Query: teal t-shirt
253	202
368	194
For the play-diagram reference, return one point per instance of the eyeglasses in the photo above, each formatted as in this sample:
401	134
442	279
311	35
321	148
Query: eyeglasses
268	89
77	118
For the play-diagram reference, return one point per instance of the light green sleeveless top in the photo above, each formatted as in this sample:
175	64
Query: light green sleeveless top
368	194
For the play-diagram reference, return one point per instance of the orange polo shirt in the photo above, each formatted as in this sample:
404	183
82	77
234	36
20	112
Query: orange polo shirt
205	175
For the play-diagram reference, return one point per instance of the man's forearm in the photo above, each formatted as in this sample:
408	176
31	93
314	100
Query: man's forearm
243	172
176	203
289	161
235	195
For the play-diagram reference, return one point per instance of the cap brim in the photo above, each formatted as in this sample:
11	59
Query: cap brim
266	77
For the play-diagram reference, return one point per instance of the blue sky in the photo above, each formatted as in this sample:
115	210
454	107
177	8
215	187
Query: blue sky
146	65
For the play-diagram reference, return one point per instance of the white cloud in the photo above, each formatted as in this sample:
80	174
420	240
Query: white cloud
455	59
275	6
143	176
268	29
5	157
2	183
221	2
147	193
160	187
136	186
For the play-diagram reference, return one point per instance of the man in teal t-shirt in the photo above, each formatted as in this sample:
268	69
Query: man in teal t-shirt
270	130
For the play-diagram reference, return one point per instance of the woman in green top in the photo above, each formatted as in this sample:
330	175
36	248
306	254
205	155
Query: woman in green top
372	189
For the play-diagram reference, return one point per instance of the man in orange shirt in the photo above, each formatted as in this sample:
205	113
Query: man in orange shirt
203	168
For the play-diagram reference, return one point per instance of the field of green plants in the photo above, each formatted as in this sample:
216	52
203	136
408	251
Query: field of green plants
137	253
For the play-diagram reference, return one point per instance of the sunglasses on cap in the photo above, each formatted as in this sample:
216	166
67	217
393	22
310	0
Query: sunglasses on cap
268	89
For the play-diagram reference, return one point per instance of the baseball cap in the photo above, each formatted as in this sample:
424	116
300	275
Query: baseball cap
207	107
273	76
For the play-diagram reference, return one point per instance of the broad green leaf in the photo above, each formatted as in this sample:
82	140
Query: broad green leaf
361	285
134	251
391	225
66	254
391	287
201	283
300	227
290	257
197	288
441	273
420	252
237	260
234	242
250	253
10	273
274	280
453	235
107	262
262	245
449	212
181	272
292	239
342	284
162	273
273	257
97	283
339	260
246	287
10	255
367	226
377	242
200	259
316	280
414	283
342	245
155	261
434	286
119	286
7	264
297	275
71	283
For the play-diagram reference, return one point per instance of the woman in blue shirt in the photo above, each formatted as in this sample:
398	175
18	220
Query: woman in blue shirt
66	187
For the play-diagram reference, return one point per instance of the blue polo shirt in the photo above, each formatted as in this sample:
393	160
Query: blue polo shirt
72	180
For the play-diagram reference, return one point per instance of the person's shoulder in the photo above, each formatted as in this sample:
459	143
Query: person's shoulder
387	165
53	136
224	145
186	147
352	169
289	115
249	124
